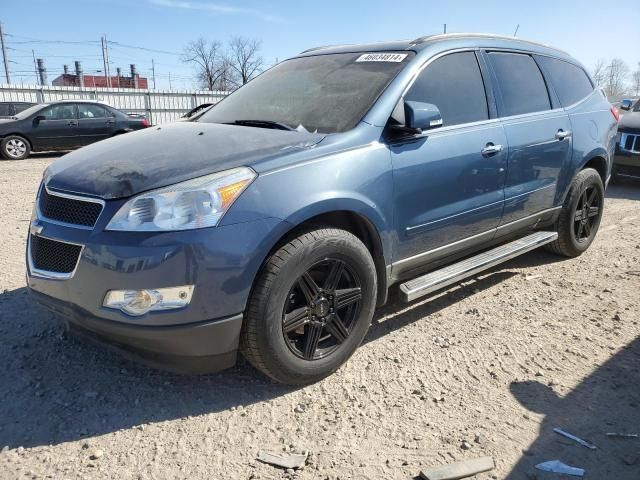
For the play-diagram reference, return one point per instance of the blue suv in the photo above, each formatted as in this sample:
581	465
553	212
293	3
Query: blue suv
275	222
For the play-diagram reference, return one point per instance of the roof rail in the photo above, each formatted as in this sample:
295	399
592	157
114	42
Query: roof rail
323	47
444	36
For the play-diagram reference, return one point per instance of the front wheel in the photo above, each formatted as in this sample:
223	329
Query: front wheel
581	214
311	307
14	147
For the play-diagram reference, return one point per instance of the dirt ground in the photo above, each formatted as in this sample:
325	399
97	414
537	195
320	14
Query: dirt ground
488	367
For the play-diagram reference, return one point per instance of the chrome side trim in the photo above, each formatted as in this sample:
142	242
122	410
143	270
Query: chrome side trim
79	198
443	247
475	237
408	229
36	272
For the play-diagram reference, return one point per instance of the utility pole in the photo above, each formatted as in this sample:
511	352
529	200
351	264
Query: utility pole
169	80
4	55
153	73
42	71
445	28
35	65
104	62
106	52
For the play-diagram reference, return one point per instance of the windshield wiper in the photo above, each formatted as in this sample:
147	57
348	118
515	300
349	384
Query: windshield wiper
262	124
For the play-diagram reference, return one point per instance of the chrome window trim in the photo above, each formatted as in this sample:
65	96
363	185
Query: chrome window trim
36	272
41	216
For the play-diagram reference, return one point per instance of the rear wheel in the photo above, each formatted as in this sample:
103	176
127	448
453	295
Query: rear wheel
15	147
311	307
581	214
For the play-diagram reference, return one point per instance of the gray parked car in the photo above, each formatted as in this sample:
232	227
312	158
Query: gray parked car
278	220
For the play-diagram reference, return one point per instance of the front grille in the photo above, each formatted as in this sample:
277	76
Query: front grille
53	256
630	143
69	210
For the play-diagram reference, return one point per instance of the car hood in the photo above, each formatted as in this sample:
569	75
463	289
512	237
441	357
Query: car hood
159	156
5	120
630	120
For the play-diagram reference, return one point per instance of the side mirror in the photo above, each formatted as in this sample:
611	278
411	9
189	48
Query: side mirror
39	118
419	116
625	106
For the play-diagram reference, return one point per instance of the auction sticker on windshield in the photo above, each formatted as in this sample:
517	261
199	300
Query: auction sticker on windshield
382	57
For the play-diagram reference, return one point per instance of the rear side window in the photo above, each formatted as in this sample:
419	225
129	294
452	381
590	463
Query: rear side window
453	83
89	110
521	84
569	81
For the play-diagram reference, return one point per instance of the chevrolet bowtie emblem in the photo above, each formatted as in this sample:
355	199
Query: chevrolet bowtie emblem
36	229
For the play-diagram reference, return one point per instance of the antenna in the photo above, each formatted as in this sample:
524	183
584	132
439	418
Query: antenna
516	31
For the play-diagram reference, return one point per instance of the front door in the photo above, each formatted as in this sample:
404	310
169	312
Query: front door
59	128
539	137
448	182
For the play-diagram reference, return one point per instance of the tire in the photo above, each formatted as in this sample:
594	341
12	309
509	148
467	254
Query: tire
15	147
576	233
310	307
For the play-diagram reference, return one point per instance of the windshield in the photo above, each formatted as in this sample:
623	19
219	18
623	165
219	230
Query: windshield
29	111
636	108
323	93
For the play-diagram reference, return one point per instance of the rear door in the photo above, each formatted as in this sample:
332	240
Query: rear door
59	128
448	186
95	123
538	133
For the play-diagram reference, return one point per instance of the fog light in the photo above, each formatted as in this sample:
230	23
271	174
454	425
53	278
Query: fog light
139	302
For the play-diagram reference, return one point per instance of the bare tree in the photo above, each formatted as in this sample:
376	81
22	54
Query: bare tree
635	81
617	73
207	57
244	57
599	72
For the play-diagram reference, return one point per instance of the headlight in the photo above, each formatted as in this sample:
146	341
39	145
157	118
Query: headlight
196	203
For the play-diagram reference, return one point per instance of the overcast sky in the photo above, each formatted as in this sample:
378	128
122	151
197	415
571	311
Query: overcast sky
61	31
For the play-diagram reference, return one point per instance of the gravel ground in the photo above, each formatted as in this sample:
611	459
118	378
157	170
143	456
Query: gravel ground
488	367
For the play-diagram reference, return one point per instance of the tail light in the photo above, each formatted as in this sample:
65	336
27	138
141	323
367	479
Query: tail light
615	113
145	122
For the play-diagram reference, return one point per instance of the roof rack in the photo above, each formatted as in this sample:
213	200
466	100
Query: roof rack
444	36
323	47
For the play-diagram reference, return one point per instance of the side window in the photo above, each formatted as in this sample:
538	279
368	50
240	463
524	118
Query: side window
569	81
89	110
453	83
521	84
63	111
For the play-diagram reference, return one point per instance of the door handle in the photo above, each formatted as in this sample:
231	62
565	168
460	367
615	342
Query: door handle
491	149
72	123
109	122
562	134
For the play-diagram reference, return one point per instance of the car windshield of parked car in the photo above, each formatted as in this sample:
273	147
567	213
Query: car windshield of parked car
29	111
321	93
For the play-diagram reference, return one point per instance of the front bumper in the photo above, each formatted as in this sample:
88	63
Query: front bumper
220	262
203	347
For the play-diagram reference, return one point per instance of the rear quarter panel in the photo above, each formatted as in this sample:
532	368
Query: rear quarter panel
594	135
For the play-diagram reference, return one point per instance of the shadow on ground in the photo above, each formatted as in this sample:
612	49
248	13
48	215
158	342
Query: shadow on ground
606	401
56	388
625	189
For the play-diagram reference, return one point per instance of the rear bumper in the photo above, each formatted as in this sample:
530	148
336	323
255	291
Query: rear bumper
196	348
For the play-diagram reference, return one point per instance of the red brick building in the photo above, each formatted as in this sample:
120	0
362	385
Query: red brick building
90	81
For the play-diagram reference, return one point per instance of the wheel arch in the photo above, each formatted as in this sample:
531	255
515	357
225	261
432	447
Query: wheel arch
352	221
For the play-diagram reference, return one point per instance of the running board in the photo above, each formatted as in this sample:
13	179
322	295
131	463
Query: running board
455	272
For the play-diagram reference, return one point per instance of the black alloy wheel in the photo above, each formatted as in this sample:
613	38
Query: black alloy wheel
587	214
321	309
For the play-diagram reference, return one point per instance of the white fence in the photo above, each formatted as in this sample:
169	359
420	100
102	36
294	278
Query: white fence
159	106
